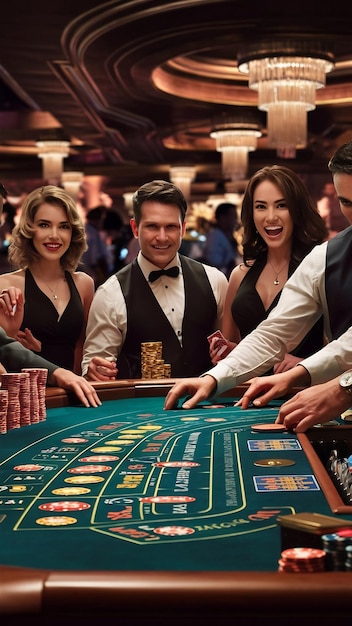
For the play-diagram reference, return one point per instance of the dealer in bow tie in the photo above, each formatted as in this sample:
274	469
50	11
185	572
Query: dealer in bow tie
162	296
172	271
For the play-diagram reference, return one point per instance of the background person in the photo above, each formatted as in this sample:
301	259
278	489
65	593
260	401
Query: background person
131	308
47	245
281	225
96	259
8	223
220	248
329	209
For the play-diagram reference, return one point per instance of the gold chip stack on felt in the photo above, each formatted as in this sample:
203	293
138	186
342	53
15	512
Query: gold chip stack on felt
153	365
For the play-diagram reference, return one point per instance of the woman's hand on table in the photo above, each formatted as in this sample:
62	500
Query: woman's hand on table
84	391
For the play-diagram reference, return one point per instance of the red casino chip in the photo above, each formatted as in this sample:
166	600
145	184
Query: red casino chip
28	468
266	428
64	506
89	469
305	554
173	531
302	560
344	532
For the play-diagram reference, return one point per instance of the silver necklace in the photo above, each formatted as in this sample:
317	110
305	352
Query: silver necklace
53	291
277	273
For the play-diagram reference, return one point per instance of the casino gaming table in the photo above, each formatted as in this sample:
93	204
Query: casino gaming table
138	515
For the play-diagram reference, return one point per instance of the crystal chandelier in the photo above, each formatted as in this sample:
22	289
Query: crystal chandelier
182	176
128	202
71	182
52	154
235	140
286	76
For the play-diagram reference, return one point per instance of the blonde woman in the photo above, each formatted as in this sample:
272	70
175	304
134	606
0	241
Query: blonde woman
47	245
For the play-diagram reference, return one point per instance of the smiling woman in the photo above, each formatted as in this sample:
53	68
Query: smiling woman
281	224
44	304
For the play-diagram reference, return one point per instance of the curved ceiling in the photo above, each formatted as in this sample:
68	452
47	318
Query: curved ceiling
136	85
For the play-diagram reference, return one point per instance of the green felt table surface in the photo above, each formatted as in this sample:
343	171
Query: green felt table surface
129	486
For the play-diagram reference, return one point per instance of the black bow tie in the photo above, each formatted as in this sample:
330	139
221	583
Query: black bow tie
172	271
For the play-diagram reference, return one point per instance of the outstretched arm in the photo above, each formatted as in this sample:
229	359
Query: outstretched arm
13	357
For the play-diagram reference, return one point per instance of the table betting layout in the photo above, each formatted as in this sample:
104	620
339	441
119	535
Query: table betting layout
131	488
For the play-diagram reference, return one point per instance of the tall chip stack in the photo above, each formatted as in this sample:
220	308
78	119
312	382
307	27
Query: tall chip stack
152	362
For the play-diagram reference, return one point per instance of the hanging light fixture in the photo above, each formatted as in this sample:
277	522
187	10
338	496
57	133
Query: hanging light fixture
182	176
286	76
128	202
52	154
235	139
71	182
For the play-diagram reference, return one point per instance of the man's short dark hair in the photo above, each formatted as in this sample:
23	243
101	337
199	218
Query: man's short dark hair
224	208
160	191
341	162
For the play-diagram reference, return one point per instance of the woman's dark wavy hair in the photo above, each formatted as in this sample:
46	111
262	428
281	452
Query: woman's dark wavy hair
309	227
21	250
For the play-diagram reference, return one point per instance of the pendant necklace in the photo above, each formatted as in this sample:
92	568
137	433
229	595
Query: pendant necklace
277	273
53	291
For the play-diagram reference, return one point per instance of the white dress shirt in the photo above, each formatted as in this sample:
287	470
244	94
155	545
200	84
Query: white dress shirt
107	320
302	301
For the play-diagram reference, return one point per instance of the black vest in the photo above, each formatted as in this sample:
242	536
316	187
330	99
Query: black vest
146	321
338	282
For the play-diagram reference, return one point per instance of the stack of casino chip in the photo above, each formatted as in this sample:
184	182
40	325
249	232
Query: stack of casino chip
336	547
152	363
3	411
339	467
300	560
25	399
38	377
41	387
42	380
34	398
12	382
348	561
22	398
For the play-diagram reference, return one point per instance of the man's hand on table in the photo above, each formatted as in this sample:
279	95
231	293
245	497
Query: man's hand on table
265	388
197	388
315	405
100	369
